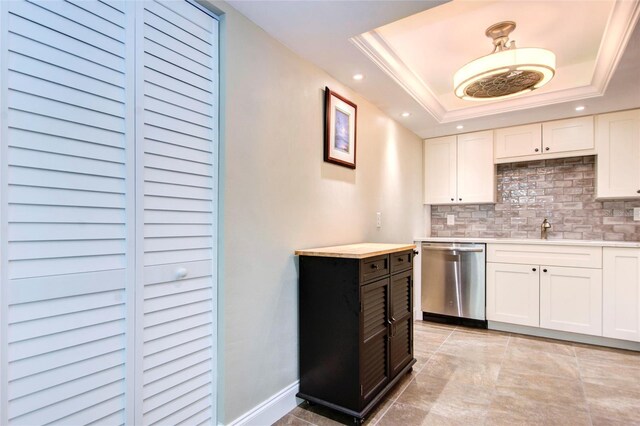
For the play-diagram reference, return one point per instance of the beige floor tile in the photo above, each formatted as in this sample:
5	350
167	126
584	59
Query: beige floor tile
291	420
610	374
509	410
475	377
541	363
542	345
607	355
541	388
462	370
403	415
615	403
320	416
422	392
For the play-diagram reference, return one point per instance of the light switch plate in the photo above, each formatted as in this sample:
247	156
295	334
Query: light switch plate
451	219
636	213
378	219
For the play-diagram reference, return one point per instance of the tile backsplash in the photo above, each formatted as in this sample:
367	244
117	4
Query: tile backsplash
562	190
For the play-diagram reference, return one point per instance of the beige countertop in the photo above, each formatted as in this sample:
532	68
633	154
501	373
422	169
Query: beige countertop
356	251
589	243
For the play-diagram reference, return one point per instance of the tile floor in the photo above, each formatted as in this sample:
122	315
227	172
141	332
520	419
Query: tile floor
479	377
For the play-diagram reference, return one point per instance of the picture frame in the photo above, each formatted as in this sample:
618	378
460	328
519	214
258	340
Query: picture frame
341	117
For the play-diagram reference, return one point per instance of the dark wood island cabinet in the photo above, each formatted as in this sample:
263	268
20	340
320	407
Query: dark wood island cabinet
355	324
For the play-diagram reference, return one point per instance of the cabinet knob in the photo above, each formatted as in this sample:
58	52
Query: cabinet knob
459	199
546	149
544	270
452	199
415	252
181	273
533	269
374	266
536	150
401	259
638	191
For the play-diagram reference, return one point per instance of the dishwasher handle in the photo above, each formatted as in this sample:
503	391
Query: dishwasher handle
458	249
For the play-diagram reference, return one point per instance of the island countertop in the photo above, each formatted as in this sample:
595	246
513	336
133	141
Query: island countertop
356	251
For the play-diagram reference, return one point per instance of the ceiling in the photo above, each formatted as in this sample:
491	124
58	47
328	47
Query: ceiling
409	50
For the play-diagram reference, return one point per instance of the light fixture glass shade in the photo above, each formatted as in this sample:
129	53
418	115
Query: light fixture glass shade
505	74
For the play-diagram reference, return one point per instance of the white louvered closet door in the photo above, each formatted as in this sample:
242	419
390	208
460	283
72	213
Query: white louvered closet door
108	132
66	193
176	143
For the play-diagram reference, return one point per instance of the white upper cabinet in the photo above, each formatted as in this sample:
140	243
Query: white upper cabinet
459	169
574	134
519	141
541	141
476	173
618	146
440	170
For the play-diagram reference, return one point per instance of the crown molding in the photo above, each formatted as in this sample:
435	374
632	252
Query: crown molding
618	31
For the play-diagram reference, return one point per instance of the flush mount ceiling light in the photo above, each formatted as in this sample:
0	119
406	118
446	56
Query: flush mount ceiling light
507	71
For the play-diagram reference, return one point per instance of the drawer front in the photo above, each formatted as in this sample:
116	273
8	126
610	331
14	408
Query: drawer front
374	267
542	254
401	261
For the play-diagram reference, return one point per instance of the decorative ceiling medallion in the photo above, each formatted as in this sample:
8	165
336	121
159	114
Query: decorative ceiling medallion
507	71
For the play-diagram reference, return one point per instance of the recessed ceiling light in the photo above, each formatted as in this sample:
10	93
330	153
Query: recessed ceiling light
405	114
580	108
358	76
460	127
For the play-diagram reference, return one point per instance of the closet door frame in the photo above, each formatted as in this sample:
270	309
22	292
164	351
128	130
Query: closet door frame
4	260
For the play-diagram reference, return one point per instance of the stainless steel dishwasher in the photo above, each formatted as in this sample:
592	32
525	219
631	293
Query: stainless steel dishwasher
453	282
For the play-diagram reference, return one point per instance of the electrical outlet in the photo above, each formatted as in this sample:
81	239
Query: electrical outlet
451	219
636	213
378	219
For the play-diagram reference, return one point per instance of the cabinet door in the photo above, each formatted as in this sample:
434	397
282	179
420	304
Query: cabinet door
401	341
440	170
513	293
618	147
571	299
374	344
518	141
574	134
621	293
475	169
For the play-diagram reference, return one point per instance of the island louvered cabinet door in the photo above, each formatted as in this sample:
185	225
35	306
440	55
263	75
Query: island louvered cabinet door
374	367
401	327
106	224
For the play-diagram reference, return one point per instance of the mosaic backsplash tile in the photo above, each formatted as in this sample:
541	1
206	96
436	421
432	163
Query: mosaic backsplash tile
562	190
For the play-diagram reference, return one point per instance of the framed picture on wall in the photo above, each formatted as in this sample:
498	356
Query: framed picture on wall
340	130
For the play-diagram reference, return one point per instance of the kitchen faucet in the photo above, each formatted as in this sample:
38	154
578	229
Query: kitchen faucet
544	228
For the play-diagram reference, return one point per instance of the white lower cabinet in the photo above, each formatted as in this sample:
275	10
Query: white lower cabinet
549	286
571	299
513	293
621	293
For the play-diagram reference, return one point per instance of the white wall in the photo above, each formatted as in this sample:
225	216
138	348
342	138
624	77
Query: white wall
278	195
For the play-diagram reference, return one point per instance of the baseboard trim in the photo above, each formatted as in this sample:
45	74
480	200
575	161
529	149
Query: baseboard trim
564	335
271	409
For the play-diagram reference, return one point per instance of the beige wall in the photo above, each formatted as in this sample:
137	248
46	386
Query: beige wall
278	195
